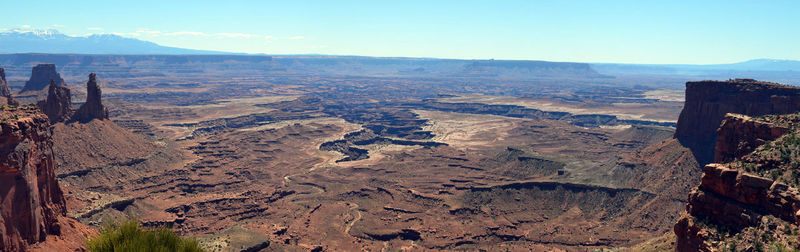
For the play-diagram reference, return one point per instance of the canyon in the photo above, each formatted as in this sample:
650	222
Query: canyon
355	153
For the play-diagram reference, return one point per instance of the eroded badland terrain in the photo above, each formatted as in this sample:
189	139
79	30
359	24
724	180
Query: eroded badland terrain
341	153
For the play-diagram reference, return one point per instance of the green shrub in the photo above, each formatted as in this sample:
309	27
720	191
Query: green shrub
130	236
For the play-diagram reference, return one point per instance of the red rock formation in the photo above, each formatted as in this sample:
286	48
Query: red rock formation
707	102
736	200
739	135
58	105
690	236
5	92
93	108
31	199
41	76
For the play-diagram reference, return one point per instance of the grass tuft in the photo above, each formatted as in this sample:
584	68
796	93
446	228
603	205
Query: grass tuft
129	235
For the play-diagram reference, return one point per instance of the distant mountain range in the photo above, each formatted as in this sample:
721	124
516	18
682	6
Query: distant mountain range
54	47
52	41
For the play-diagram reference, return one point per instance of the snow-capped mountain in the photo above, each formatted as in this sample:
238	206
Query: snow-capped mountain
52	41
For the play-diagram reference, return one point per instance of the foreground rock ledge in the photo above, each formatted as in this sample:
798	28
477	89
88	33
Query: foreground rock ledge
32	205
737	199
31	197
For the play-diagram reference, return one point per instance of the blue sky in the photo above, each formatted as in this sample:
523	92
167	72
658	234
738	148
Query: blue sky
692	32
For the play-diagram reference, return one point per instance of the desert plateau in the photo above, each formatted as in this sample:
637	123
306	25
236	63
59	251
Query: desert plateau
111	142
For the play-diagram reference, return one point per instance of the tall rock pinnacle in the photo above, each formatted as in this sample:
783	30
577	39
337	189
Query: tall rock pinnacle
58	105
41	75
5	93
93	108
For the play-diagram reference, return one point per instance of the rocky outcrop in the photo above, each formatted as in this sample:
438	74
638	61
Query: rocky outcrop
41	76
58	105
707	102
739	135
5	92
93	108
735	197
748	193
31	199
735	200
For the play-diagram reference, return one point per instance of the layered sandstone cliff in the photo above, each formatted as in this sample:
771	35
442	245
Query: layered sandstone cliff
751	201
31	199
41	76
58	105
707	102
93	108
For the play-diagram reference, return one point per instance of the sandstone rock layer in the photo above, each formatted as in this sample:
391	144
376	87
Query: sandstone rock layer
739	135
734	200
31	199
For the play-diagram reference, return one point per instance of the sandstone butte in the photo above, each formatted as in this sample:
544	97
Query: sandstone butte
41	76
58	105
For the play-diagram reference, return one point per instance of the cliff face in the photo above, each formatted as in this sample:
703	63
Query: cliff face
58	105
93	108
41	75
707	102
752	198
31	199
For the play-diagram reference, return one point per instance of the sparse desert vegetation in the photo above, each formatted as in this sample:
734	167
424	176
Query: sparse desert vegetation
129	235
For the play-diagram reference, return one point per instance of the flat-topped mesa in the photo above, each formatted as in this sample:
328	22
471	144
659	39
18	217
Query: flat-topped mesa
32	201
41	75
93	108
707	102
5	92
58	105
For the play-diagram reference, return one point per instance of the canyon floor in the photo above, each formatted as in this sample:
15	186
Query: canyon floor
298	162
